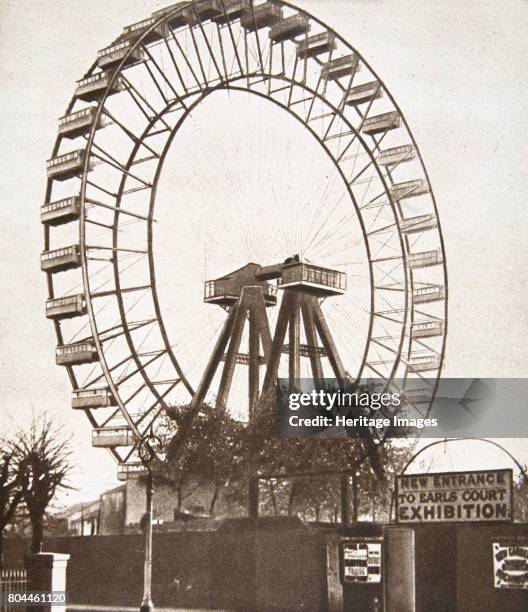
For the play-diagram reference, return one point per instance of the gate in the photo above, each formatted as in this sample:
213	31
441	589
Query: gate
12	581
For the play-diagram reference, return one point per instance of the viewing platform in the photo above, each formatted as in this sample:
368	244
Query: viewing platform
79	123
422	363
61	211
313	279
396	155
92	88
92	398
425	259
76	354
431	293
112	56
207	9
232	9
409	189
112	437
315	45
132	469
66	307
60	260
226	290
340	67
421	223
364	93
179	19
289	28
261	16
420	395
66	166
136	30
381	123
428	328
292	273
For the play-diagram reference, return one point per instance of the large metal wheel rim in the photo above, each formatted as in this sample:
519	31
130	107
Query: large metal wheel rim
85	270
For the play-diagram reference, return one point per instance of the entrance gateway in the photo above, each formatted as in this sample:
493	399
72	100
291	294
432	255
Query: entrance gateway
453	548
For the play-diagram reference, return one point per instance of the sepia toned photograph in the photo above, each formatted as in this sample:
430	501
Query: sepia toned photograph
263	319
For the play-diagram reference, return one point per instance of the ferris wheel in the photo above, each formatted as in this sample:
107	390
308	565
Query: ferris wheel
234	195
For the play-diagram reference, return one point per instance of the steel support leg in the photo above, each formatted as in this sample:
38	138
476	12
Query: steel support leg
328	342
294	362
278	342
311	337
231	355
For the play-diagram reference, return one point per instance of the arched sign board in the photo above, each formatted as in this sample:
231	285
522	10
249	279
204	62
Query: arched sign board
481	496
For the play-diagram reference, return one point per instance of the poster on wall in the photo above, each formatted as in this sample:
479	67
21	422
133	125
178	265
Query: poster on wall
483	496
361	561
510	565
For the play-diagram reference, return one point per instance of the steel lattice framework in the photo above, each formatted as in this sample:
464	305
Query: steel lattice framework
103	177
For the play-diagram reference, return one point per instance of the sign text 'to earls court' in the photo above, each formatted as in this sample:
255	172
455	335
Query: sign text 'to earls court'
448	497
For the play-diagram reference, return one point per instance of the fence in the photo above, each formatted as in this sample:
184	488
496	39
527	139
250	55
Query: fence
12	581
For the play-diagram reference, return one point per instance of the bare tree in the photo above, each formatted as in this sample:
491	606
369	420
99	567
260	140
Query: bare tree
11	490
42	454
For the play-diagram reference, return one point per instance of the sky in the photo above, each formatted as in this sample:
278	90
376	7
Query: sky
456	71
